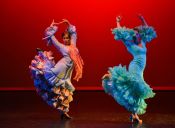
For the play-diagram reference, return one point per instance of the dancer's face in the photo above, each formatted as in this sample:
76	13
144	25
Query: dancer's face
137	38
66	39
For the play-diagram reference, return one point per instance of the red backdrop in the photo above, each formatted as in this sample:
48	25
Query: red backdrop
24	21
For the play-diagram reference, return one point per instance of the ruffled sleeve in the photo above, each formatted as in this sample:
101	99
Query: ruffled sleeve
147	33
72	31
123	33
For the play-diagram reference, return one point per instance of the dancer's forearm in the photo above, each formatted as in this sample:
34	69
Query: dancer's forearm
143	20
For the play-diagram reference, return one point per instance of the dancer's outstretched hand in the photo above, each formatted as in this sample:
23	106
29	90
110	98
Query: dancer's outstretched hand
58	23
118	18
66	21
53	23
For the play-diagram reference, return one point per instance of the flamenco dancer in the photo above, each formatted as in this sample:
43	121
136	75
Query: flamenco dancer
128	87
53	80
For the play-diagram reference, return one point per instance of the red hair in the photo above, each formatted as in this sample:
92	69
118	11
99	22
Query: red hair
78	61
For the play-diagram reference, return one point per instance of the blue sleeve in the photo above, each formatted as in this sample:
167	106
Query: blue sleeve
123	33
147	33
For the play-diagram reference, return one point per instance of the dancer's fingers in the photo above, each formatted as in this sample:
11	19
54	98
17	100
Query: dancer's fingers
51	25
58	23
66	21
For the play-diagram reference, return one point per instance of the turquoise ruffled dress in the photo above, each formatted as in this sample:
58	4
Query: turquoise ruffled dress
127	86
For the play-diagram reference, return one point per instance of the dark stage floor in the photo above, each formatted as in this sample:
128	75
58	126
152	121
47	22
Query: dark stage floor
90	109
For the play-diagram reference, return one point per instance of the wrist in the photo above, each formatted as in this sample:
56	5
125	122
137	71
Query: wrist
142	18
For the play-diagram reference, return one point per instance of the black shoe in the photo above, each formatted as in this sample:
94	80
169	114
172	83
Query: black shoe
65	116
132	119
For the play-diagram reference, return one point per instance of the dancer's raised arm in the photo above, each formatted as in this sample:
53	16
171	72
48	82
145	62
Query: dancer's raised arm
118	19
143	20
